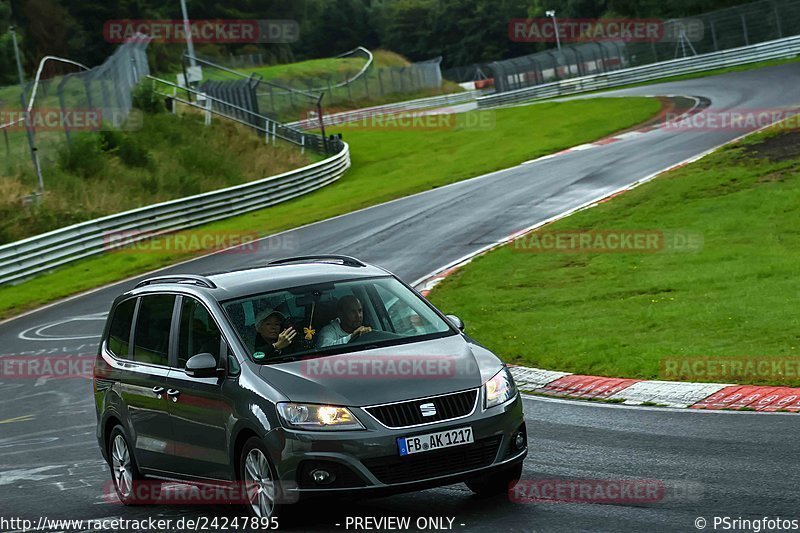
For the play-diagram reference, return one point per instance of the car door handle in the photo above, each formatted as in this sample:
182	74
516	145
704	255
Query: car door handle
174	393
158	391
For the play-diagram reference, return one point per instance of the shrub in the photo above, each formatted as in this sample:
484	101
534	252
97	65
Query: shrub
146	99
133	153
83	156
110	140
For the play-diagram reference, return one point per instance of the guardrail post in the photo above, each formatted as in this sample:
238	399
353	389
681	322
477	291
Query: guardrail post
271	98
209	104
303	144
8	147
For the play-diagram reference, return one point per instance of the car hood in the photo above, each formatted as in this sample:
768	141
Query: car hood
384	375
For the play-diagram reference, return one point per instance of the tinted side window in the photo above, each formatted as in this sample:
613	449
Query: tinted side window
151	342
120	331
199	333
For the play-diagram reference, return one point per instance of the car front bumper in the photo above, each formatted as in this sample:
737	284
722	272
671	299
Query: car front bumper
367	462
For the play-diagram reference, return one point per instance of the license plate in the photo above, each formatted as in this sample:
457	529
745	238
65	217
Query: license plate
435	441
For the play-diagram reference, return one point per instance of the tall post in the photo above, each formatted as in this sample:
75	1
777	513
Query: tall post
187	28
8	147
552	14
744	30
322	122
25	113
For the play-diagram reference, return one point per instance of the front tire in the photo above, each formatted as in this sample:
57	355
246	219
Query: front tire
495	483
124	471
259	479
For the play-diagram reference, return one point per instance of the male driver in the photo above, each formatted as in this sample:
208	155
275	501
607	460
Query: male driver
349	325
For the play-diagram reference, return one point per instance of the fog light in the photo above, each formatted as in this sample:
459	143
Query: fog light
519	440
322	477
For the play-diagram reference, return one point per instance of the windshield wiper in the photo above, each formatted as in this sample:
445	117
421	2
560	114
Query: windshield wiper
284	358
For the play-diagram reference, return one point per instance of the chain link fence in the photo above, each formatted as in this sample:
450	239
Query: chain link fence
724	29
293	99
60	107
236	100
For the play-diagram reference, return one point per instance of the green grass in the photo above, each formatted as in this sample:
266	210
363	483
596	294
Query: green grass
386	165
337	68
111	171
627	314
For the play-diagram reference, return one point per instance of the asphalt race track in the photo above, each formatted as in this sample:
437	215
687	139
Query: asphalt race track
710	463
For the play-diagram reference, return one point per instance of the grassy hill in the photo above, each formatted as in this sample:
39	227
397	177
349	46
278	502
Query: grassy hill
112	171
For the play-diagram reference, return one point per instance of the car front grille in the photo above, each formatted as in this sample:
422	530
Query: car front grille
426	465
405	414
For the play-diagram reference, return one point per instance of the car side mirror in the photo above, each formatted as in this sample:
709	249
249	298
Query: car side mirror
457	322
202	365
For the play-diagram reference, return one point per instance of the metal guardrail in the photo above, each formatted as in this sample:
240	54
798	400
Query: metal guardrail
777	49
25	258
260	123
312	122
364	69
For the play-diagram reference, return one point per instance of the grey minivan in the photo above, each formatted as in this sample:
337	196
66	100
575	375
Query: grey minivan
309	376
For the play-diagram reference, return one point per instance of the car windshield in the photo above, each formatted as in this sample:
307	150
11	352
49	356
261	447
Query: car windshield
335	317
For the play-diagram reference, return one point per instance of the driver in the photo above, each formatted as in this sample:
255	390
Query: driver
347	326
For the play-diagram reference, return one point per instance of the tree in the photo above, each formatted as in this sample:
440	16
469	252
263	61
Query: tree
8	69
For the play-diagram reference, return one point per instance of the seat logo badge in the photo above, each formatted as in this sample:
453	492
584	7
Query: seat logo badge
428	409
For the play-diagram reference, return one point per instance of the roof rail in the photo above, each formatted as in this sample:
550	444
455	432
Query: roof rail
345	259
193	279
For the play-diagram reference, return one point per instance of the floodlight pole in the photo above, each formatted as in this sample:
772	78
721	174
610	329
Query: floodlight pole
187	28
552	14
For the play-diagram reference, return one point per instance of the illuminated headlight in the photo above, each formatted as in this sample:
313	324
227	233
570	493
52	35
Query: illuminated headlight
317	417
499	389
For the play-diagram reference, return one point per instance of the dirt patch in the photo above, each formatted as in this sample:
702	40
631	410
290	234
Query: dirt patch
671	106
781	147
773	177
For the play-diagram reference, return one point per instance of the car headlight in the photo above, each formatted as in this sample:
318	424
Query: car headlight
499	389
317	417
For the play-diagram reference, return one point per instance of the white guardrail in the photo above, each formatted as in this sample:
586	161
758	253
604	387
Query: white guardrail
312	122
25	258
778	49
